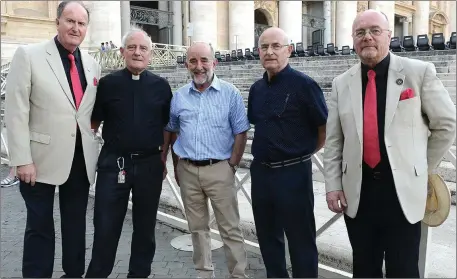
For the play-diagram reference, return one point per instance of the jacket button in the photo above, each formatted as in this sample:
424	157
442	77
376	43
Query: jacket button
73	135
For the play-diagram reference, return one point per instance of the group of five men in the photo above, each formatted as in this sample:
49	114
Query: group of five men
377	156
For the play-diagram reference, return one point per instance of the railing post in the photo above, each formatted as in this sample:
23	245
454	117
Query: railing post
426	238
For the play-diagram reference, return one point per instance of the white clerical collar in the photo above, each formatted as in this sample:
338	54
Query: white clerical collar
135	77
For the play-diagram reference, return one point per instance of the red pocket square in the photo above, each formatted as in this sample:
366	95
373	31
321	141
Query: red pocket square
95	81
407	94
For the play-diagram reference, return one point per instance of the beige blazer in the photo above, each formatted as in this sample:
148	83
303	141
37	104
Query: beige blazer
41	115
418	132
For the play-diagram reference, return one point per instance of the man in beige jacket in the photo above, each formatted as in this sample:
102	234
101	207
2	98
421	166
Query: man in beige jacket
390	123
50	94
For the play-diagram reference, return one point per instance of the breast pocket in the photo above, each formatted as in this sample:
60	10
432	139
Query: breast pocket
408	110
217	115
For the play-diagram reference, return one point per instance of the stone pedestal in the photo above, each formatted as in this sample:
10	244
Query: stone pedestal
203	17
104	23
421	18
388	8
346	12
241	24
290	19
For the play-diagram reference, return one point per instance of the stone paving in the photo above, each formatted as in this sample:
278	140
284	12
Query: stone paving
168	261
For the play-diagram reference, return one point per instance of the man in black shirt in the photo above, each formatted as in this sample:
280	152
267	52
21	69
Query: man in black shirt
50	93
390	123
134	105
289	112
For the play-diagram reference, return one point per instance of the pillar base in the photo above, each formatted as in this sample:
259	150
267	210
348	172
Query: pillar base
184	243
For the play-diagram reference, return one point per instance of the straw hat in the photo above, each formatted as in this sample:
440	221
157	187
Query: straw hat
438	201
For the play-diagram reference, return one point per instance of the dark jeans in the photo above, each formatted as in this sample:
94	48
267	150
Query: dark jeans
380	231
283	201
144	178
39	238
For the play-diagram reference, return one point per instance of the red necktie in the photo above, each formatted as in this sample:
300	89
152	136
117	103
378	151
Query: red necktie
75	81
371	153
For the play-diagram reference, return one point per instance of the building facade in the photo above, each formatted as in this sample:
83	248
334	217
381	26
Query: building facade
227	25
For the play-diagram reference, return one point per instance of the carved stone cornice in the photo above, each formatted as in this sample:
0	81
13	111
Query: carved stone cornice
403	8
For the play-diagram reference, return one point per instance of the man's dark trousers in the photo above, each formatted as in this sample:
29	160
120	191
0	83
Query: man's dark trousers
283	201
380	231
39	237
144	178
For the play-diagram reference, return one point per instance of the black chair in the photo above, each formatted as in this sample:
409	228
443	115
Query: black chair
223	58
248	54
239	54
228	57
310	51
452	40
320	50
255	52
408	43
179	60
234	57
423	42
293	53
438	41
331	49
217	55
300	50
345	50
395	45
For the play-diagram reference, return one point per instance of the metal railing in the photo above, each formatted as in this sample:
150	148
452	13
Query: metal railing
111	60
162	55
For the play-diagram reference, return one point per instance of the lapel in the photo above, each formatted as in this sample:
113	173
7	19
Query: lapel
355	89
393	89
87	73
55	62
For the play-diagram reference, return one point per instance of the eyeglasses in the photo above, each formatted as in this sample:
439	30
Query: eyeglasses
373	31
273	46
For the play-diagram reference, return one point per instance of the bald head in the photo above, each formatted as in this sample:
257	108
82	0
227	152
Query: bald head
371	15
277	33
202	48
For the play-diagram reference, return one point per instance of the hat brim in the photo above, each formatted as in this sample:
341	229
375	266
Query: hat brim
443	195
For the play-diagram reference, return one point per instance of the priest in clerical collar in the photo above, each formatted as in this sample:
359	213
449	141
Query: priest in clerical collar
134	106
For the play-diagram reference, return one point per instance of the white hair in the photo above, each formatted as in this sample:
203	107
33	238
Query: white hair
133	30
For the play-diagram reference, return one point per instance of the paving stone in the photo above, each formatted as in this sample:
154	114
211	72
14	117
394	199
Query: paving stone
168	262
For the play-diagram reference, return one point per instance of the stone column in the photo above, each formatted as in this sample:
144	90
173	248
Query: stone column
241	24
405	21
203	17
125	17
104	24
388	8
290	19
304	37
185	23
328	22
452	16
346	12
163	6
223	34
421	18
177	23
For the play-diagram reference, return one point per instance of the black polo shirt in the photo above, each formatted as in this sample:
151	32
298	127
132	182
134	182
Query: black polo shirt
382	70
134	112
286	112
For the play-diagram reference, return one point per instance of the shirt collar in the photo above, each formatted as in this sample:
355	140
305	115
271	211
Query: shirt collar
215	84
64	52
281	73
381	68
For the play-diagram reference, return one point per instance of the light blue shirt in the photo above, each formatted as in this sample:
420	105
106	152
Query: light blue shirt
207	121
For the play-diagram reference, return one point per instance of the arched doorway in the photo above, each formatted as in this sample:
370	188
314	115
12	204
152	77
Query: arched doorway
262	20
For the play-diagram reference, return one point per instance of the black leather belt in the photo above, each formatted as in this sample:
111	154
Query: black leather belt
202	163
286	163
143	154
